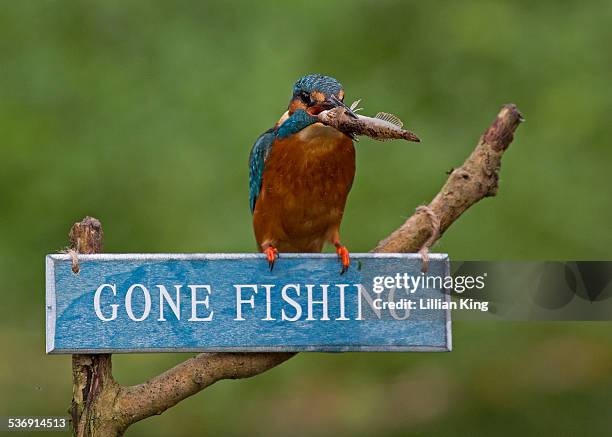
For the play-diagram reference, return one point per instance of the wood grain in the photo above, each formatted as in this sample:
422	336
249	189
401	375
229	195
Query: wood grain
117	407
145	304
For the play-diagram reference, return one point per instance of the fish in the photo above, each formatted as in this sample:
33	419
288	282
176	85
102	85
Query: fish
382	127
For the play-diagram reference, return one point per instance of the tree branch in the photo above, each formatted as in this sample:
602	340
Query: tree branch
475	179
92	375
189	377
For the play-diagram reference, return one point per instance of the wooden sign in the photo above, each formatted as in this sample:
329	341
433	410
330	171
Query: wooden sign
232	302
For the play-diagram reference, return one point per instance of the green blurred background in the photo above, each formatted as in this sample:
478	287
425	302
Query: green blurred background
143	116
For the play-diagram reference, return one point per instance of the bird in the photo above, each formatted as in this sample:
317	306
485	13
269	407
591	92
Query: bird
300	175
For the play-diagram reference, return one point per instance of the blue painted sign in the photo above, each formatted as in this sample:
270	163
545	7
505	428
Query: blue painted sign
232	302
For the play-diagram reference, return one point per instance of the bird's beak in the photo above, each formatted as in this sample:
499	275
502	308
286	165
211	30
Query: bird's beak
335	102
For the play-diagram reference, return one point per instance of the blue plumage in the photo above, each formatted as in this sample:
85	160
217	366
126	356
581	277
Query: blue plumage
297	121
317	82
298	184
257	159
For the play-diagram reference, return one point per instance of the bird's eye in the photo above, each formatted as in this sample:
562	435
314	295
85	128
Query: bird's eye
305	97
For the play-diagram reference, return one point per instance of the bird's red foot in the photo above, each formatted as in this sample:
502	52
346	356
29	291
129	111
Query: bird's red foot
271	255
343	254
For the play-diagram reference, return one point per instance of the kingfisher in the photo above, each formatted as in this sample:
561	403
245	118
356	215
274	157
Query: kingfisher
300	174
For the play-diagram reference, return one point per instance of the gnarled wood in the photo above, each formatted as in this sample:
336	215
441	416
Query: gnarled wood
103	407
93	385
189	377
475	179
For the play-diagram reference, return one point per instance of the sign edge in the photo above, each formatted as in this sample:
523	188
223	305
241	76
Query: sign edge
50	302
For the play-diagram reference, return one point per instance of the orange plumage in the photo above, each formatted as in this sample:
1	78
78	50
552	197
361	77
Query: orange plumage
301	172
306	182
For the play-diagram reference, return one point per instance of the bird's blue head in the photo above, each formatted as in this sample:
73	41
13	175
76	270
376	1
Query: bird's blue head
315	93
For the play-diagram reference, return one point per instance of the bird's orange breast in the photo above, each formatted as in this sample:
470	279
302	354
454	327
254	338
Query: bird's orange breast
305	185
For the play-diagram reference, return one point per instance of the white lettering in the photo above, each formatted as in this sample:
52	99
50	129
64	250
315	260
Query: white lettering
128	302
292	302
322	302
114	306
240	300
174	306
195	302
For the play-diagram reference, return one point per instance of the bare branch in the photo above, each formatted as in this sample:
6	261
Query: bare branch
92	377
475	179
466	185
189	377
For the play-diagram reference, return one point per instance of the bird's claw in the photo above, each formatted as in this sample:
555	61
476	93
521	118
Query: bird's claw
343	254
271	255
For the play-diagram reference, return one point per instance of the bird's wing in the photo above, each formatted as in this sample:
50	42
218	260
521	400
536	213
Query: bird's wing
257	160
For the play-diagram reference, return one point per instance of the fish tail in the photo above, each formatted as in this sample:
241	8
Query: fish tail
407	135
